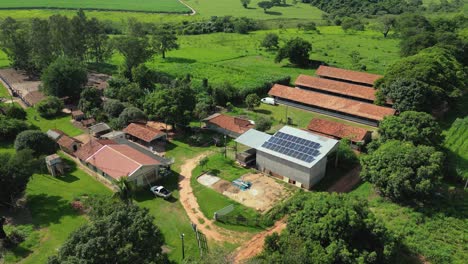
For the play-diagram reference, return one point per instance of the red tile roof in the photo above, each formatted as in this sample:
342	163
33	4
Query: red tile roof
88	122
337	130
143	132
120	160
337	87
91	147
347	75
330	102
67	142
77	113
233	124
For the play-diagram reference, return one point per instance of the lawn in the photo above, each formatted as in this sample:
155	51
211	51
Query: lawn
63	123
168	6
211	201
52	216
436	231
4	92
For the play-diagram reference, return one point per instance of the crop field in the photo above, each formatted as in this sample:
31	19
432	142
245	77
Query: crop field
456	141
168	6
240	60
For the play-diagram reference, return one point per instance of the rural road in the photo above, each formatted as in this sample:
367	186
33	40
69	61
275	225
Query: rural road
194	12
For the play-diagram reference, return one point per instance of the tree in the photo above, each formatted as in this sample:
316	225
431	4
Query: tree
131	114
245	3
10	127
172	104
265	5
331	228
35	140
144	77
408	95
270	41
61	35
113	107
252	101
124	190
15	171
263	123
350	23
385	24
79	31
417	127
17	112
90	98
224	93
49	107
164	40
296	50
135	50
97	41
411	45
402	171
118	234
347	158
408	25
436	67
64	77
14	42
42	53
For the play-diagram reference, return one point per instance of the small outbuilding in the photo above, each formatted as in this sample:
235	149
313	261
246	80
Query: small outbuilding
114	135
228	125
145	135
78	115
55	165
99	129
88	122
69	144
293	155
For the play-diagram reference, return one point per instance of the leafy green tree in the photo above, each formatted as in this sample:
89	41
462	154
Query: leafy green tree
413	44
436	67
245	3
113	107
131	114
117	233
276	2
97	41
61	35
14	42
50	107
224	93
402	171
408	95
144	77
265	5
385	24
172	104
42	53
347	158
10	127
332	228
417	127
64	77
350	23
252	101
270	41
204	105
35	140
408	25
164	40
135	50
15	171
79	32
296	50
263	123
90	98
125	190
17	112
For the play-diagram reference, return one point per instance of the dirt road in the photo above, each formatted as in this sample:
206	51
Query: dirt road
255	245
190	204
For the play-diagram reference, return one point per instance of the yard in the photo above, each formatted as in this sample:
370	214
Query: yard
63	123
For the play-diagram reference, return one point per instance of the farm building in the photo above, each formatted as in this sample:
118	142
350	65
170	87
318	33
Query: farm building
113	160
99	129
353	110
338	131
228	125
114	135
144	135
55	165
77	115
293	155
362	78
88	122
66	143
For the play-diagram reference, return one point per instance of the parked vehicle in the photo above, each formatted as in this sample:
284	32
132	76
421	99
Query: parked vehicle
268	100
161	191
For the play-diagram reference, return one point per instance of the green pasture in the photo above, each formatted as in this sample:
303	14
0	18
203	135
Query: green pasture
52	216
63	122
4	92
436	230
168	6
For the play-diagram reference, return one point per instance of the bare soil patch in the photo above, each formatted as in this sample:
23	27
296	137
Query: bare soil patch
19	81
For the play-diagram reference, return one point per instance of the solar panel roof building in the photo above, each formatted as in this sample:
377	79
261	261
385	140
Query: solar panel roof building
295	155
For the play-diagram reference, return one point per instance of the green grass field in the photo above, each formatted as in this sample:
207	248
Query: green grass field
436	231
456	142
169	6
52	216
63	123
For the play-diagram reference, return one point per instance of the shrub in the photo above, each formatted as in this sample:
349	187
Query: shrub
50	107
10	127
16	112
35	140
263	123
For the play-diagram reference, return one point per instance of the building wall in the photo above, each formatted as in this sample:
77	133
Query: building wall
221	130
145	175
317	172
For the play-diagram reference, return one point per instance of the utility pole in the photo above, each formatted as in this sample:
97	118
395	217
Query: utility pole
225	146
183	250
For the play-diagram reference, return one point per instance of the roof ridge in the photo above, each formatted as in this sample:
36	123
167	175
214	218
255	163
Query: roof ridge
110	146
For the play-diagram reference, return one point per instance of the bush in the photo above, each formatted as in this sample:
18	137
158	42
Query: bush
113	107
252	101
16	112
35	140
131	114
10	127
50	107
263	123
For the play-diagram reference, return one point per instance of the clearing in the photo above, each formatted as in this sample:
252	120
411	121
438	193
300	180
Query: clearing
162	6
262	196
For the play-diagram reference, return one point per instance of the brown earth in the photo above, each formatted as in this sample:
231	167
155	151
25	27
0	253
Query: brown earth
347	182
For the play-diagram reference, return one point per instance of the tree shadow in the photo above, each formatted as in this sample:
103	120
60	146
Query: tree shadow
252	8
46	209
448	201
263	111
103	67
170	182
273	13
179	60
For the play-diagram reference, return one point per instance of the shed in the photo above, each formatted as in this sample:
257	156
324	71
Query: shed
228	125
145	135
339	131
68	144
78	115
99	129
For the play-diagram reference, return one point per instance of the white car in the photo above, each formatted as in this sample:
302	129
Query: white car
161	191
268	100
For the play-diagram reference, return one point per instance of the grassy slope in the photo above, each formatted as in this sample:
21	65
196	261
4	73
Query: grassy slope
52	216
136	5
4	92
456	141
438	232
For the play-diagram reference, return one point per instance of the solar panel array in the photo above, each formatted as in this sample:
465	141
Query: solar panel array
292	146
